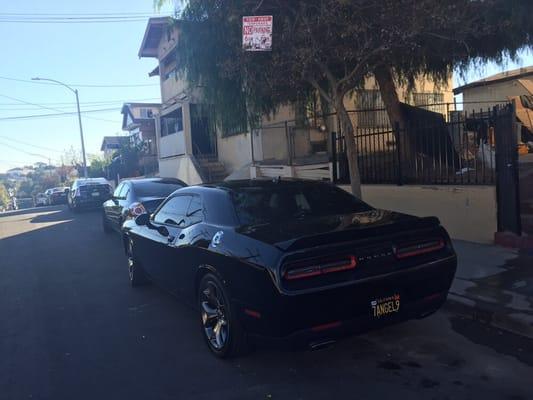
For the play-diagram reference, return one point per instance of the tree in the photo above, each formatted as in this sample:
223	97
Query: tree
332	46
4	196
98	167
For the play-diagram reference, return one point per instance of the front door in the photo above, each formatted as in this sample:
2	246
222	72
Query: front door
168	222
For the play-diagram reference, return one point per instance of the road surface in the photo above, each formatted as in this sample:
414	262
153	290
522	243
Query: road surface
72	328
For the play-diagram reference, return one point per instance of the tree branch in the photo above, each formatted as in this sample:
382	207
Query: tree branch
321	90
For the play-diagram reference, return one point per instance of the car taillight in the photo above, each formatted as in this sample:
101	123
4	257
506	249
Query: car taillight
137	209
328	265
415	249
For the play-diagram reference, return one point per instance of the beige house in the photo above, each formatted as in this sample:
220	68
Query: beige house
290	143
496	89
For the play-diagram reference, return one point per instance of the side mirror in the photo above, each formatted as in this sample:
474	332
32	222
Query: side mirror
163	231
67	190
143	219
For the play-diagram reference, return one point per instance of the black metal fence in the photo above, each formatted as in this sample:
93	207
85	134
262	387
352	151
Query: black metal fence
456	147
439	144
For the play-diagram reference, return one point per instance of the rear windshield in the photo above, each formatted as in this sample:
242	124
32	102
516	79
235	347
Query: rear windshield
257	205
155	188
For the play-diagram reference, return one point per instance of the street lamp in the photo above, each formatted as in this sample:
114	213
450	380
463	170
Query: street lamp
79	118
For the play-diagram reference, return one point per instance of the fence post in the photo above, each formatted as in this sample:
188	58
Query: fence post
334	156
398	151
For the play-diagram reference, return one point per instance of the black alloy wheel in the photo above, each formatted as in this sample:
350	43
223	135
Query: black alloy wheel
221	329
135	270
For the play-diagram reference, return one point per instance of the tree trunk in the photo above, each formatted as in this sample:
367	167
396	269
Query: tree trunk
351	148
389	95
397	118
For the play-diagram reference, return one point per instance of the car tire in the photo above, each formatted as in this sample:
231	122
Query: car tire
220	326
135	270
105	224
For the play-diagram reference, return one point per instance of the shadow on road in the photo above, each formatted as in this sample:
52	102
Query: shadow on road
72	327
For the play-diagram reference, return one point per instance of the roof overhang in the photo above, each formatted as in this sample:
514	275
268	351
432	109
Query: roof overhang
495	79
152	36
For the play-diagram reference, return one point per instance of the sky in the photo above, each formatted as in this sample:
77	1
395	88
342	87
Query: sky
74	53
81	54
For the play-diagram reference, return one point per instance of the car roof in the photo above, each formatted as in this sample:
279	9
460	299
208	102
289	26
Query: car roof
91	180
136	181
263	183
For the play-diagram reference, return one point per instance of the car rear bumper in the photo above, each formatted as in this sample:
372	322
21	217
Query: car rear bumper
88	202
347	310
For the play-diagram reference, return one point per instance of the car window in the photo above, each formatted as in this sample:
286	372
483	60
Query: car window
125	191
116	193
155	188
174	211
195	211
257	204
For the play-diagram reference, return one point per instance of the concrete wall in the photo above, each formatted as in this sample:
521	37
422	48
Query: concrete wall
172	145
234	151
467	212
180	167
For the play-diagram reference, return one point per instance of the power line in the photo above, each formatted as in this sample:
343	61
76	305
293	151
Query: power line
86	14
30	144
67	21
98	102
51	109
60	114
79	85
24	151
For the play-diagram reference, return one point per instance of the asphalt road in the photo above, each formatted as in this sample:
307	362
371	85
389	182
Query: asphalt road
72	328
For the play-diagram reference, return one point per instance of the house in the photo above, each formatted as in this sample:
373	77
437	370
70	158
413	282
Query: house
19	174
496	89
138	119
110	144
293	142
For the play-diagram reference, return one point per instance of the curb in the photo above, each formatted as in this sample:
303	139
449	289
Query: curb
511	240
490	314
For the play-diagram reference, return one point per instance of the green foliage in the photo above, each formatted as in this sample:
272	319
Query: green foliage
333	45
98	167
4	196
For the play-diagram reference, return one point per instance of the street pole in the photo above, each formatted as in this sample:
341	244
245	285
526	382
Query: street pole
81	136
75	91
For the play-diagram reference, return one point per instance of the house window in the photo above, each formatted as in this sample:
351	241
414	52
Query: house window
146	113
370	111
429	101
172	123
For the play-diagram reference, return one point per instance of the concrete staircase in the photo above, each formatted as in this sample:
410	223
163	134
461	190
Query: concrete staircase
211	169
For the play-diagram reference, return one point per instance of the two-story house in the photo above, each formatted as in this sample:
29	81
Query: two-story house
293	142
138	119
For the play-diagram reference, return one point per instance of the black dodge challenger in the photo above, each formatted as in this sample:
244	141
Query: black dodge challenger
294	261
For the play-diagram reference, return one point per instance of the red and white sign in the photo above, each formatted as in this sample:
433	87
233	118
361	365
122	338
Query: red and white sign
257	33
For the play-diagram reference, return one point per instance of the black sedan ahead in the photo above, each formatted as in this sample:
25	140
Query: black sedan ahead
291	261
134	197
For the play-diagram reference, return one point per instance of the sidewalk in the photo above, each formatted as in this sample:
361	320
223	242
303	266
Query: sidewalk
494	285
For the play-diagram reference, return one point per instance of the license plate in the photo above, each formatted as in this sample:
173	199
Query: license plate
385	306
95	194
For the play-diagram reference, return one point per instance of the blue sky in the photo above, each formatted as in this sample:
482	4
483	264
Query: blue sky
88	54
93	53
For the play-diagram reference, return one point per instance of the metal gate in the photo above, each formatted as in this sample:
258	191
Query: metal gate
507	182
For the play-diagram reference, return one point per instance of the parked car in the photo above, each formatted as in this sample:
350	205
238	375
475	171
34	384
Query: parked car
134	197
291	260
88	193
57	195
41	200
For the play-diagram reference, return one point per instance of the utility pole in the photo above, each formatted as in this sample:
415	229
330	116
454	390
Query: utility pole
75	91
